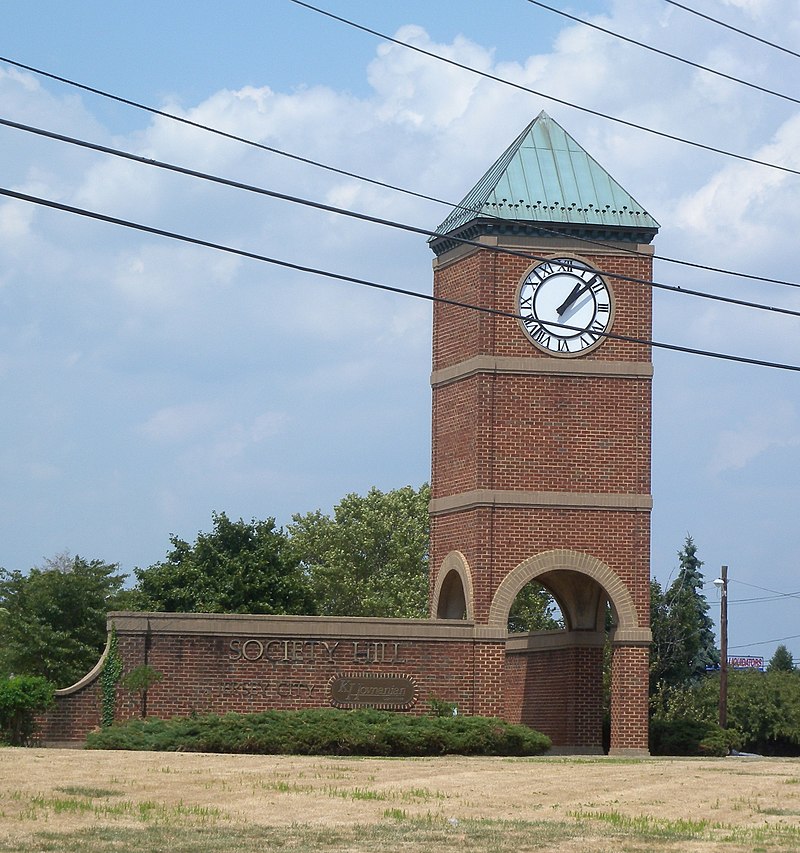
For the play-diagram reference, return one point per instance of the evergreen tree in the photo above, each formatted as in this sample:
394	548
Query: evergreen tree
781	661
683	638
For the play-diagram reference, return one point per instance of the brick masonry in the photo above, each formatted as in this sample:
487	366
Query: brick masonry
540	468
533	454
222	663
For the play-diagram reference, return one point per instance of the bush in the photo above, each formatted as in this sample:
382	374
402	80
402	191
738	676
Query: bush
685	736
325	731
21	696
763	707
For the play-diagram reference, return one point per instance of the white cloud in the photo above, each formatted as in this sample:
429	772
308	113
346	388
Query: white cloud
262	391
15	222
181	422
420	92
756	435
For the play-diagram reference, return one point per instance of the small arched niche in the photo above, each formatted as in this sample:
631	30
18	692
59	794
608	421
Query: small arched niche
452	595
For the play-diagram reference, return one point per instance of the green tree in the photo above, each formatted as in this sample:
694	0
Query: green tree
21	696
53	619
533	610
371	557
239	567
781	661
683	647
763	708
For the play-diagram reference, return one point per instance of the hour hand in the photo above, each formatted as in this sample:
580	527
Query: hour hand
576	292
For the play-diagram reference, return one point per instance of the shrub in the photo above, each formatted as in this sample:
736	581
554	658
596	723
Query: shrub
764	708
325	731
21	696
691	736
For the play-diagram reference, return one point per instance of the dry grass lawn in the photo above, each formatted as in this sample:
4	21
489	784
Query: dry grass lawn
68	800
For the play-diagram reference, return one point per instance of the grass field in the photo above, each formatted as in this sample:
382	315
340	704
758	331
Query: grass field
69	800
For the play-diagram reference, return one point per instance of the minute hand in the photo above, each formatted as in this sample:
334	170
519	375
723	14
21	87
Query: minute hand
579	288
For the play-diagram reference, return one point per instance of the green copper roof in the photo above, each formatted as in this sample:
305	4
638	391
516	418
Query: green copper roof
545	177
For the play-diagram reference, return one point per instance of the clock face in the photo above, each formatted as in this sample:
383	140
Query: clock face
565	306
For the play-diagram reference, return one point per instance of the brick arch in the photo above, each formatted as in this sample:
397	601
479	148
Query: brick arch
454	562
562	559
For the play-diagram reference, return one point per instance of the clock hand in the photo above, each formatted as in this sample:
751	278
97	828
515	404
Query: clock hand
576	292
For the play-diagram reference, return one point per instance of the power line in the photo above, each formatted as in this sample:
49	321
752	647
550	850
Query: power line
760	599
345	173
775	592
664	53
147	161
732	28
519	86
149	229
208	129
764	642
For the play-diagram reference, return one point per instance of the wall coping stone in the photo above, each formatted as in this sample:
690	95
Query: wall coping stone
553	640
235	624
499	364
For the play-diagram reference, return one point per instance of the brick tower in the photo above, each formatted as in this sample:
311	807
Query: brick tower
541	431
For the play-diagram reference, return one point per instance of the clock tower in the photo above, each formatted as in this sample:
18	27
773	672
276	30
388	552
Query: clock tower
541	432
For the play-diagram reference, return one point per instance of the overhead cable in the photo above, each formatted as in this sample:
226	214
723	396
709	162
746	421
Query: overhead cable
355	176
733	29
764	642
775	592
659	133
149	229
665	53
328	208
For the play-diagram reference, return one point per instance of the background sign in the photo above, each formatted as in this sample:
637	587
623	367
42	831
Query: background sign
746	663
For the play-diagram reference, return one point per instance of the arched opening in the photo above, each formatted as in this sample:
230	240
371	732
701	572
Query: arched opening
452	594
558	680
452	601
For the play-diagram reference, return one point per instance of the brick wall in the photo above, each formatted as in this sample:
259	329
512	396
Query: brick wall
565	434
248	664
629	699
495	540
557	691
216	664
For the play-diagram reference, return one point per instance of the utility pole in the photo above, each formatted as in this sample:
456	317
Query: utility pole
721	583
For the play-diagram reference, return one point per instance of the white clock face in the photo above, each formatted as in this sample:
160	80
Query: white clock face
565	306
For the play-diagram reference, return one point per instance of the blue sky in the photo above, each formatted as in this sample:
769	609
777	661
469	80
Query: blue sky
147	383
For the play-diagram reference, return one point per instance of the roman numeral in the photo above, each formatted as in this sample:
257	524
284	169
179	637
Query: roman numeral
603	307
541	337
563	345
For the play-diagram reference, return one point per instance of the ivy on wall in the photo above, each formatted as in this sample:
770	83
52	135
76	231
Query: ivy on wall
109	677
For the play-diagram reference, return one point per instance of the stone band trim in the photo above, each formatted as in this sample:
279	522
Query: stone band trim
539	367
507	498
632	637
536	245
552	640
90	676
344	627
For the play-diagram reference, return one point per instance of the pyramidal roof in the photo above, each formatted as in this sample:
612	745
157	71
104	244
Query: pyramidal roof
545	178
